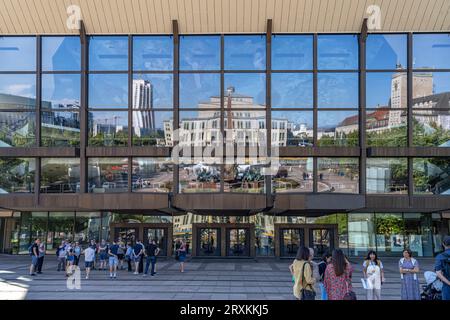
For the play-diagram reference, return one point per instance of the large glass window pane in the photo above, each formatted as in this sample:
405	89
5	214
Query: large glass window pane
61	54
429	87
386	89
108	53
152	175
292	90
108	128
361	233
153	53
245	90
337	52
17	91
17	53
292	128
108	91
60	129
419	233
338	128
60	175
245	52
60	228
387	175
87	227
431	128
247	127
386	51
338	90
17	129
292	52
200	90
25	232
152	91
390	230
432	176
198	128
293	175
386	127
431	51
340	175
199	52
201	177
245	177
60	91
108	175
17	175
152	128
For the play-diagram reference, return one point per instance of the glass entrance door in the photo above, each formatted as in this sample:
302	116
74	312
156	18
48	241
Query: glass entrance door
127	235
209	242
321	240
160	237
238	242
291	240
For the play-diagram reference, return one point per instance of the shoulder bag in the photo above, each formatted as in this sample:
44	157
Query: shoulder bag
304	293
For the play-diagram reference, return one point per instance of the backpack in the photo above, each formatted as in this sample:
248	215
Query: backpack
30	249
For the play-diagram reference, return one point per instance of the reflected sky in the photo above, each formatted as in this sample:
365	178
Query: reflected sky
337	52
338	90
245	52
108	90
295	117
153	53
378	88
108	53
61	54
386	51
119	118
292	90
62	90
16	86
161	89
292	52
17	53
198	88
431	51
248	84
331	119
200	53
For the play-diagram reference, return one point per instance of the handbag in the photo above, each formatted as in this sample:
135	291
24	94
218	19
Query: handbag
350	295
304	293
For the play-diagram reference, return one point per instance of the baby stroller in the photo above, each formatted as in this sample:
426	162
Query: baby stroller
433	289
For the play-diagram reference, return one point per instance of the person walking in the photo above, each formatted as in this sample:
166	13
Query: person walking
103	253
442	268
182	254
373	275
34	253
322	266
89	257
77	253
70	262
61	256
113	260
302	273
93	245
409	268
151	251
137	254
121	253
315	269
129	256
41	258
338	276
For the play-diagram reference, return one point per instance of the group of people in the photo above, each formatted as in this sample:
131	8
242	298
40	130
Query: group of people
333	275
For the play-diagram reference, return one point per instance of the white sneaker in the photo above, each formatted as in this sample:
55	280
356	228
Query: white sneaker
114	275
87	277
136	273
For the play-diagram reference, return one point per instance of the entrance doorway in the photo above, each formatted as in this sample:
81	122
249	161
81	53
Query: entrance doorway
208	244
291	240
238	242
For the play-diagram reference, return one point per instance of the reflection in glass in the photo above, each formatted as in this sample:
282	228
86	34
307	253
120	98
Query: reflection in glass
238	242
60	129
387	175
386	89
389	228
60	175
17	91
430	86
108	53
200	90
17	129
198	128
60	91
292	90
361	233
322	240
108	175
245	177
201	177
152	52
246	127
152	175
291	240
338	90
199	52
107	128
152	128
431	51
432	176
108	91
292	52
386	51
17	175
152	91
386	127
209	242
245	52
87	227
157	234
431	127
292	128
61	54
338	128
337	52
421	232
340	175
245	90
293	175
19	52
60	228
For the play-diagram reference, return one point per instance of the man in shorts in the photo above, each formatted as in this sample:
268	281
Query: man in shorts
34	252
113	260
89	257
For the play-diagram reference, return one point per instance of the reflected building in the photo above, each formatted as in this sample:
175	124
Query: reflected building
144	115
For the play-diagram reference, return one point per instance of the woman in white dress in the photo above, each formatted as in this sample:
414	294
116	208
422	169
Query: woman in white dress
373	275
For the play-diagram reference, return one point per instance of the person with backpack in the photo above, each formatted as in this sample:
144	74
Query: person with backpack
338	277
322	265
373	275
33	251
442	268
302	271
409	268
61	256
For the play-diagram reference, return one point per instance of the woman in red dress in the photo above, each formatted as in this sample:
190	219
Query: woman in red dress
338	276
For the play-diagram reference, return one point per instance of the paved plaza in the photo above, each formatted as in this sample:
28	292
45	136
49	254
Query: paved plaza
203	279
